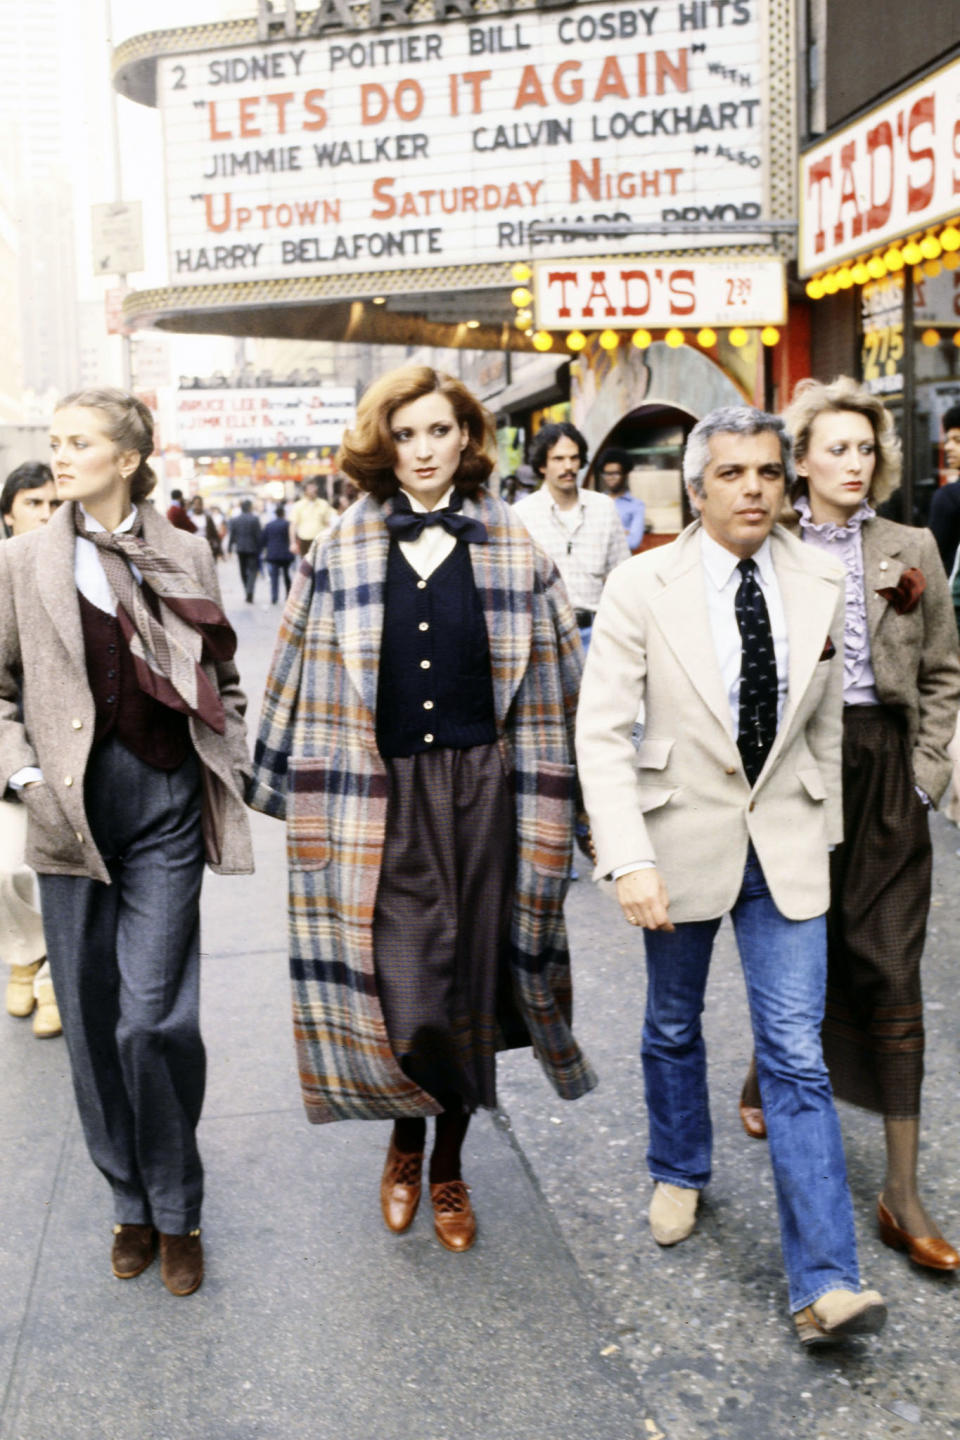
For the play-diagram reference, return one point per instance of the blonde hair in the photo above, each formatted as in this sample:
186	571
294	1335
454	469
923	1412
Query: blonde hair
129	424
368	453
812	398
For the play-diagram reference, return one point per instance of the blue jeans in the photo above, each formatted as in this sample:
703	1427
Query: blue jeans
784	965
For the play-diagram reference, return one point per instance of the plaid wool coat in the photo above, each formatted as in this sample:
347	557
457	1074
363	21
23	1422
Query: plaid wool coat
317	765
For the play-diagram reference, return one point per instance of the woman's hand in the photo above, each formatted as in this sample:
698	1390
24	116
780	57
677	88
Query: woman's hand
644	900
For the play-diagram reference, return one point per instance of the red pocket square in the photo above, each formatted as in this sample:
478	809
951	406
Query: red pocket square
829	650
905	595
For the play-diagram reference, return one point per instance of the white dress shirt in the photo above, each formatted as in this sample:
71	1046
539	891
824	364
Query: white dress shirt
721	582
434	543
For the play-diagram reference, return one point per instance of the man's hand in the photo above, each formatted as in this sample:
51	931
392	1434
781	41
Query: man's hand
644	900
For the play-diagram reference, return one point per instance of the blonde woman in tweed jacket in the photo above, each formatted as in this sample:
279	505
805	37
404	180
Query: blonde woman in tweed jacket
417	738
901	691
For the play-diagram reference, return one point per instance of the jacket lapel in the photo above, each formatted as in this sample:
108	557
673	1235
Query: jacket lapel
881	567
680	610
503	573
56	581
809	601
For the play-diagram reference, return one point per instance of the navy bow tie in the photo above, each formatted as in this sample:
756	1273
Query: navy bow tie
405	524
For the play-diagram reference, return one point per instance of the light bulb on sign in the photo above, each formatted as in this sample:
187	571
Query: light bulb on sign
815	288
860	273
912	254
738	337
521	272
543	340
521	297
674	338
844	277
893	258
769	335
930	247
609	340
950	238
576	340
930	338
642	339
876	267
707	338
523	317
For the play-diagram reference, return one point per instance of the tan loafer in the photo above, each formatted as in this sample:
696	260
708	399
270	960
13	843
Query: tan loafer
46	1018
673	1212
400	1186
20	996
839	1314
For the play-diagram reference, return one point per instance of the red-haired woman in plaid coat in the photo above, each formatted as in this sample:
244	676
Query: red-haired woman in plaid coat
417	737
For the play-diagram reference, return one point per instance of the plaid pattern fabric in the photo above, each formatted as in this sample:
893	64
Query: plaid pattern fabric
317	765
584	556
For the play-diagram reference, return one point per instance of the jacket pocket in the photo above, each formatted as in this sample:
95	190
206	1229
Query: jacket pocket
308	813
50	836
552	850
653	754
812	782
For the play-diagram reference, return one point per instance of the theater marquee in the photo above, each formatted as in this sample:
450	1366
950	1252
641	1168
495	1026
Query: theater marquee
407	148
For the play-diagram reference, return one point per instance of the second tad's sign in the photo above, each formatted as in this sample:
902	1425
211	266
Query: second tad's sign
658	293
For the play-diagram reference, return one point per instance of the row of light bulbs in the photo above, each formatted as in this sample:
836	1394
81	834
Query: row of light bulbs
543	340
927	254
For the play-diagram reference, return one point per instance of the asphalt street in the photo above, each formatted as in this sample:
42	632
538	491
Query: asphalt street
566	1321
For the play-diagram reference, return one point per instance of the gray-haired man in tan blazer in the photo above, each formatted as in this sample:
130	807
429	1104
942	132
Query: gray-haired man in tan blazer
730	644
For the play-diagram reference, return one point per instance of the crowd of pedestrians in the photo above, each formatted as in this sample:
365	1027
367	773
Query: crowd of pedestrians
760	728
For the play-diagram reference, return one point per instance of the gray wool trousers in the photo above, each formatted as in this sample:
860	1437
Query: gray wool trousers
125	961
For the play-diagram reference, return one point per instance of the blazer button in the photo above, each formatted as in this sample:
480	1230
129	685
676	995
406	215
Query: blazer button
76	724
752	805
68	781
730	770
79	834
883	565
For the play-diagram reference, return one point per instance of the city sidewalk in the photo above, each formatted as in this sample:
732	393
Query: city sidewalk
312	1321
566	1322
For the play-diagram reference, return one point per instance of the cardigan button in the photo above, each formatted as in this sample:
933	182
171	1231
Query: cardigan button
421	584
423	625
428	739
424	664
428	704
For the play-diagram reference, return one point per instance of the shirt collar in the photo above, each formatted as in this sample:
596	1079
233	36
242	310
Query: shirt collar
418	507
124	525
721	563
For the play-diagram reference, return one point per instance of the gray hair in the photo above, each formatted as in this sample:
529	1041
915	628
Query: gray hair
732	420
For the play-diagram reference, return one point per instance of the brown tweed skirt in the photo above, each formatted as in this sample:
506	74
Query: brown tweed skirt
876	925
442	920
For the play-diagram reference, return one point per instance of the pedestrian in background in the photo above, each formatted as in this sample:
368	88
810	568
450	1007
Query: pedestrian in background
310	517
246	538
207	526
277	553
131	759
177	513
28	501
901	694
614	468
416	734
579	529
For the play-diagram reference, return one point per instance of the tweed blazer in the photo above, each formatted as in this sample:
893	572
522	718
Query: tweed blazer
42	658
681	800
317	765
914	656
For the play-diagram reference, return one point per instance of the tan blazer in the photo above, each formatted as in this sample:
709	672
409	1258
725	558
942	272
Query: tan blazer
42	659
914	656
682	799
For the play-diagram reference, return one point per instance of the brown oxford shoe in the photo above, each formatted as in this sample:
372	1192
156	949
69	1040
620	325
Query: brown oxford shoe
453	1217
930	1251
133	1250
751	1118
400	1188
181	1262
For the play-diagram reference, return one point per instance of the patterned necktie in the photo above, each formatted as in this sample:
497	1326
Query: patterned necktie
758	673
404	524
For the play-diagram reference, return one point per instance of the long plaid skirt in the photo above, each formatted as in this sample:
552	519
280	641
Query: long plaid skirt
442	922
880	877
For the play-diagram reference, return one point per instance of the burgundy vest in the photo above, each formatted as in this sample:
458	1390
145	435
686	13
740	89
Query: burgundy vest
152	731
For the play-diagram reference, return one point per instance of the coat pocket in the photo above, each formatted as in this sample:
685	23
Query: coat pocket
50	836
812	782
308	813
652	755
553	838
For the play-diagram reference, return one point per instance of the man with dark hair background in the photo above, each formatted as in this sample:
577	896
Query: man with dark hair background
613	467
579	529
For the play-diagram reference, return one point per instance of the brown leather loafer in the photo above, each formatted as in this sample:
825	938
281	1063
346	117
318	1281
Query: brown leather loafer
134	1247
453	1217
181	1262
400	1188
751	1118
929	1251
